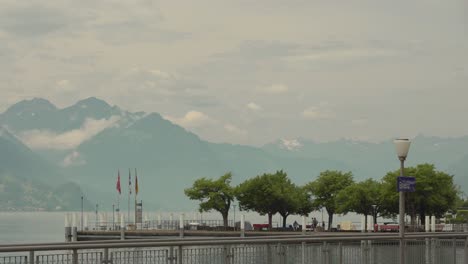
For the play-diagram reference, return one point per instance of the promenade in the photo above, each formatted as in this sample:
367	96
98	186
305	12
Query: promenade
322	248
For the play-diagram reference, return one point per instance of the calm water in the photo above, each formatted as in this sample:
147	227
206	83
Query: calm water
35	227
22	227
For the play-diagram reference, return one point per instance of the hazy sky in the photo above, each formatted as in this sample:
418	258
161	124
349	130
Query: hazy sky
249	72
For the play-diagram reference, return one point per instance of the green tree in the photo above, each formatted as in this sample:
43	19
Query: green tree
325	189
269	194
362	198
435	192
213	195
293	200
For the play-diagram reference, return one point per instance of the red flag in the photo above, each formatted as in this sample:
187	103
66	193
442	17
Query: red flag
118	183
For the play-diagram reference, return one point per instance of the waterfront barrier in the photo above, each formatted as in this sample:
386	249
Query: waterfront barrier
424	248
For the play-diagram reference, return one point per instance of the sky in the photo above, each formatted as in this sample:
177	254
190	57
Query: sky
248	72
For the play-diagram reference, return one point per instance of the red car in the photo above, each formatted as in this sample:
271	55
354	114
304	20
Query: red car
389	227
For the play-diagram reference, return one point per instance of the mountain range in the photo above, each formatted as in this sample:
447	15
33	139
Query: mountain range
83	147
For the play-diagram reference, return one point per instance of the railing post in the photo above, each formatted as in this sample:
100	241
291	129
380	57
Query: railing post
105	260
227	254
179	255
75	256
270	252
31	257
325	259
454	244
170	258
303	244
363	251
340	253
428	250
466	250
279	252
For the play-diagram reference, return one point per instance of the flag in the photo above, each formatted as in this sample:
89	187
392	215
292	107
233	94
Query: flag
129	182
118	183
136	183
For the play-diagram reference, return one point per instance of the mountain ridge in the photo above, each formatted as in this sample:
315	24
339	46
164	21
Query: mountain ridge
169	157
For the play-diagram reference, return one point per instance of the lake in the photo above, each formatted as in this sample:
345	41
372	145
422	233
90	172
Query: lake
32	227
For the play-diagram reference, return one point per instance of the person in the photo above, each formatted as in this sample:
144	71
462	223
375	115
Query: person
295	225
314	224
323	225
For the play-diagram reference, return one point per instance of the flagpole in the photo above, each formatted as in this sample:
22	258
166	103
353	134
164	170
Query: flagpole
119	189
136	192
129	193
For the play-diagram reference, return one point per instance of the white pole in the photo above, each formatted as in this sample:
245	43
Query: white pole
433	223
85	224
363	223
427	225
122	227
370	225
67	223
74	220
242	225
303	224
181	225
181	221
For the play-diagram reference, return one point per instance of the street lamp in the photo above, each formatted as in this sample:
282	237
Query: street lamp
81	223
402	146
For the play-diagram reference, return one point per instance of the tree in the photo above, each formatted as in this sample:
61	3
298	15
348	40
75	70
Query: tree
435	192
325	189
269	194
362	198
293	200
213	195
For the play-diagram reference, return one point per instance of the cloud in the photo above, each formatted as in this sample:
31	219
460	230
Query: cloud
34	20
191	119
359	122
44	139
275	89
73	159
317	113
254	106
234	130
64	86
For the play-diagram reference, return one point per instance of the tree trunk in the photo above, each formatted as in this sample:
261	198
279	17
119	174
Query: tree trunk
225	219
330	221
365	223
270	220
285	216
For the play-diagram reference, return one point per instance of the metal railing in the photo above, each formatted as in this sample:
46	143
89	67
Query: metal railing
432	248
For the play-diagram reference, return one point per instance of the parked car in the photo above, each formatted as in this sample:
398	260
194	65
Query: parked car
389	227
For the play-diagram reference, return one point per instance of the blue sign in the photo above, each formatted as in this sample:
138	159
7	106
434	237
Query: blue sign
406	184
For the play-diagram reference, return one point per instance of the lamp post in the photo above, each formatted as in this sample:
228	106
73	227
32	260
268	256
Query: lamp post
81	222
374	217
97	215
402	146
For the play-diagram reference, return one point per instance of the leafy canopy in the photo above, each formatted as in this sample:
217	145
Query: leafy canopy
213	194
